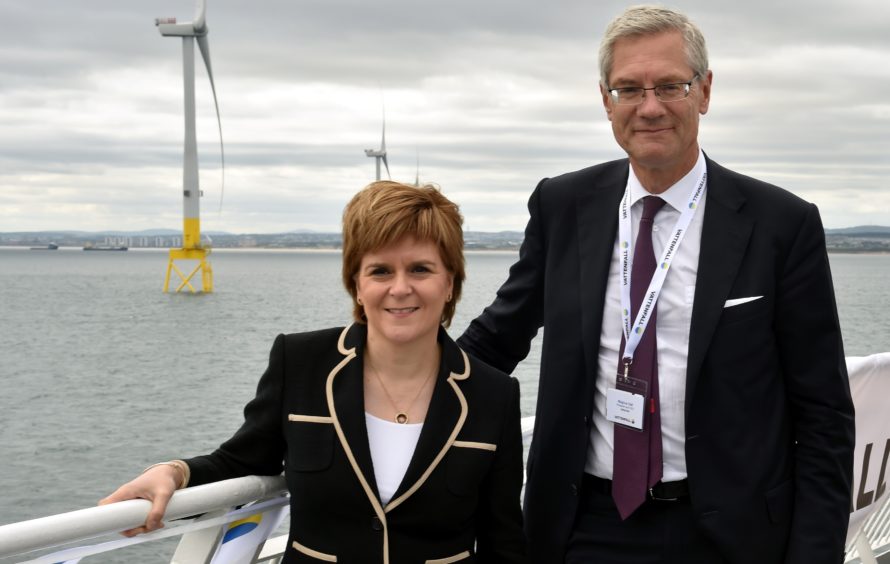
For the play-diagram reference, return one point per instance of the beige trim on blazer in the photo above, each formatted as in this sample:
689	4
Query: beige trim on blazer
456	558
314	553
457	427
472	444
350	354
308	418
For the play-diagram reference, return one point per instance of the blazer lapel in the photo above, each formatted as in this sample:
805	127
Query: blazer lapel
347	397
597	229
724	239
445	418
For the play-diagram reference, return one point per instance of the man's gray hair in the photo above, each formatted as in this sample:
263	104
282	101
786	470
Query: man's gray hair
651	20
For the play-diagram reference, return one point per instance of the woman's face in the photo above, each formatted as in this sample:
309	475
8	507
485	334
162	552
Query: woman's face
404	288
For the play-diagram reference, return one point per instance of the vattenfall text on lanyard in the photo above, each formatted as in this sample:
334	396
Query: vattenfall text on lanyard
634	333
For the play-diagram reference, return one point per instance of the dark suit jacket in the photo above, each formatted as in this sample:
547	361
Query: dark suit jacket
459	500
769	419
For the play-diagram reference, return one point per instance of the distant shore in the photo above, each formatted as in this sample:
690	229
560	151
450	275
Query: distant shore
319	249
866	239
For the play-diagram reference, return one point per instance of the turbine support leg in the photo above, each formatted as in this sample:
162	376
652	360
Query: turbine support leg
199	255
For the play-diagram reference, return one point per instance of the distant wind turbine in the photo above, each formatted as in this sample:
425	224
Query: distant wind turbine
380	154
191	228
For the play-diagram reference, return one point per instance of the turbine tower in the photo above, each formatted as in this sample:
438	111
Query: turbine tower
192	249
380	154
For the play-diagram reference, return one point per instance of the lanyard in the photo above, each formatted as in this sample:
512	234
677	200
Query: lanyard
634	333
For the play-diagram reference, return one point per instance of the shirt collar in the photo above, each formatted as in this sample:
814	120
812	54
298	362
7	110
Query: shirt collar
677	195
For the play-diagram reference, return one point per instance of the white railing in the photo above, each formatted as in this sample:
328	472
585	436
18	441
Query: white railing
200	537
873	539
217	503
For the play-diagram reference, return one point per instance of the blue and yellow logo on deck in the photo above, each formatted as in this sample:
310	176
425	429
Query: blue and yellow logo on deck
242	527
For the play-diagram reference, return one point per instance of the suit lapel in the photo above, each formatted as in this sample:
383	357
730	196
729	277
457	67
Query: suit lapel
724	239
347	397
597	229
445	418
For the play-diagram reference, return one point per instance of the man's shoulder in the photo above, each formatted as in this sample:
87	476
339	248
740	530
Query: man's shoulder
597	175
721	178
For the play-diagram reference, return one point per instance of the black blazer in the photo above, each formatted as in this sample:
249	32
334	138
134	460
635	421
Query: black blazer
769	418
459	500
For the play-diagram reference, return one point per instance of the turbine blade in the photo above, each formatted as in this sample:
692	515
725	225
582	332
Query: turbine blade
383	139
199	24
386	164
205	54
417	173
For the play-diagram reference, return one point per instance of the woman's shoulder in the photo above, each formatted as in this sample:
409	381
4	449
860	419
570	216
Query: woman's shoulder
488	377
315	336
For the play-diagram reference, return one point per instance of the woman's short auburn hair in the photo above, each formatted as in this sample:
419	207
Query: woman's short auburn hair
385	212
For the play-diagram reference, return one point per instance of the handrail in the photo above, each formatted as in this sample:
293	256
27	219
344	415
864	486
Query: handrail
84	524
873	540
217	498
55	530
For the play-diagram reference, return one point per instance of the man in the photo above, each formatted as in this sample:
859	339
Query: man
700	413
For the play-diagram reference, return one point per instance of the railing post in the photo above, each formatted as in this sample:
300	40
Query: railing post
863	547
199	547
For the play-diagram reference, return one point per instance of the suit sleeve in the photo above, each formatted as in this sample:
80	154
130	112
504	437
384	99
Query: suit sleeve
258	446
812	359
501	336
500	535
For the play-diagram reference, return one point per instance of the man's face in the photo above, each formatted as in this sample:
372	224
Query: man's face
658	136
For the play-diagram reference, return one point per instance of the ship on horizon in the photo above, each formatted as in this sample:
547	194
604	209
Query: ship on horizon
91	247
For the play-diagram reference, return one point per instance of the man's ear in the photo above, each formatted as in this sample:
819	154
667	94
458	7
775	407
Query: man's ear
705	84
607	101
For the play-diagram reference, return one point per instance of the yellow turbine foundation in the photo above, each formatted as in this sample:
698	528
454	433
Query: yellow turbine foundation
192	251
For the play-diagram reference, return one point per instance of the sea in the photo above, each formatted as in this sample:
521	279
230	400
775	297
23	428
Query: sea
102	374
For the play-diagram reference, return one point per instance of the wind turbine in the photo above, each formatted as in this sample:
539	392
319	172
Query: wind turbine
380	154
191	191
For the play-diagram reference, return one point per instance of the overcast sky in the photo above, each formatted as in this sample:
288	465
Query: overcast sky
490	95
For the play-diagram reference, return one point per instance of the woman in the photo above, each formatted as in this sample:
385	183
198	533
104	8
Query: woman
397	447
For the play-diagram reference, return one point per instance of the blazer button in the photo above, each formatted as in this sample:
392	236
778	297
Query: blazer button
574	489
376	524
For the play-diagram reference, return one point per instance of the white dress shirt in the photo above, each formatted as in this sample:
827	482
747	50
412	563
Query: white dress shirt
673	322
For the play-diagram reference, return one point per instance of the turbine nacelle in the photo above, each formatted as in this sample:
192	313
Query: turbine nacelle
169	28
197	28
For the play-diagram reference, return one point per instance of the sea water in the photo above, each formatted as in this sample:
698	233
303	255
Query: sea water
103	374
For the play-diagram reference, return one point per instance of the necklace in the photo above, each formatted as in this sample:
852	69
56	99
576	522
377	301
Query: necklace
401	416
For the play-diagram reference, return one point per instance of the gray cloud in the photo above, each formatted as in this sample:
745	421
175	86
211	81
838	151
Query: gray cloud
491	96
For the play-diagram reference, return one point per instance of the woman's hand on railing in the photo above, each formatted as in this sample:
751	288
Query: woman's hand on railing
157	485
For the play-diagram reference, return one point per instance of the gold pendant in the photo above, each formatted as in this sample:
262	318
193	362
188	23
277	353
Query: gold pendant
401	418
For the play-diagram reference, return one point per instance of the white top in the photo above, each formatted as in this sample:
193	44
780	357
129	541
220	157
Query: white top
392	446
672	325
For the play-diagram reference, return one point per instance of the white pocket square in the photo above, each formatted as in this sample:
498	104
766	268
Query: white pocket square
740	301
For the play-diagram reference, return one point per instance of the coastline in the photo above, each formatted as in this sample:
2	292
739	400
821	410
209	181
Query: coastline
333	249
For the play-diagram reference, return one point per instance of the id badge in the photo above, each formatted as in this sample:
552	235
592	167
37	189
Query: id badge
626	402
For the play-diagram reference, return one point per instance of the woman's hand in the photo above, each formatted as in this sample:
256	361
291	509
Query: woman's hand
157	485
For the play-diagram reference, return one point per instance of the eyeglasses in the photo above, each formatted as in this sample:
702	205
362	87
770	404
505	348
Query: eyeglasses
673	92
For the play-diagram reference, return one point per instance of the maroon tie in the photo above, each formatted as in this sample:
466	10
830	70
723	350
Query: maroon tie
637	463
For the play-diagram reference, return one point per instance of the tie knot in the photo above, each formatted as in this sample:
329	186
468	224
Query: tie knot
651	205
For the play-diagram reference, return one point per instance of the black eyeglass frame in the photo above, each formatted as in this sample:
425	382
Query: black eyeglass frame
615	93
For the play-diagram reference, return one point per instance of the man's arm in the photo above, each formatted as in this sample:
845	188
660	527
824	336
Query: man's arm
813	364
501	336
